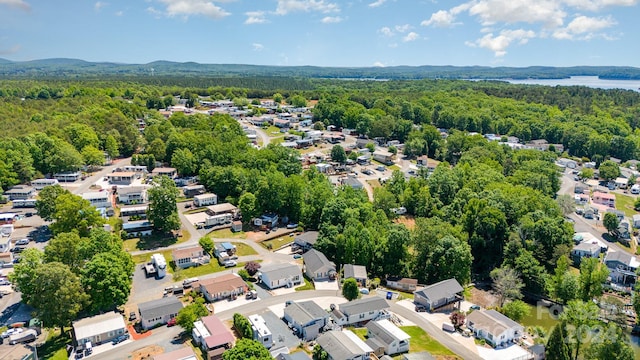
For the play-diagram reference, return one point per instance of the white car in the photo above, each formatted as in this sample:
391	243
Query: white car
4	282
230	263
12	331
22	242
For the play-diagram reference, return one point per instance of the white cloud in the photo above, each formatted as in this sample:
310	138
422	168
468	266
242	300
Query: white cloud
386	31
377	3
18	4
290	6
412	36
499	44
441	18
583	28
595	5
187	8
403	28
119	13
331	19
255	17
155	12
257	47
99	5
378	64
547	12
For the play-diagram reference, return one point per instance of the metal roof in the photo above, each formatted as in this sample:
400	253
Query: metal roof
441	290
341	345
304	312
355	271
99	324
363	305
161	307
315	261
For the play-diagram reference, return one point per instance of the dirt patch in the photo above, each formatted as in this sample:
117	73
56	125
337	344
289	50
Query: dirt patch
147	352
483	297
408	221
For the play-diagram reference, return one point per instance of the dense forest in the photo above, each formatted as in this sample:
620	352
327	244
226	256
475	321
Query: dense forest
74	67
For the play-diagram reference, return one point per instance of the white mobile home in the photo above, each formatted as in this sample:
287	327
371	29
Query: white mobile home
40	184
205	199
138	228
261	332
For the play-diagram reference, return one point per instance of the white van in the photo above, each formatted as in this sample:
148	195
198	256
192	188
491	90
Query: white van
635	189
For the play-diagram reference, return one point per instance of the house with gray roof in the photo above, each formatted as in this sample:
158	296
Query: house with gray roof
306	240
622	266
585	249
344	345
158	311
300	355
306	318
352	182
275	276
386	338
357	272
495	328
317	267
361	310
446	294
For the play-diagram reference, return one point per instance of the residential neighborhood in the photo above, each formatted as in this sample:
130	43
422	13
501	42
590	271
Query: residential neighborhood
316	241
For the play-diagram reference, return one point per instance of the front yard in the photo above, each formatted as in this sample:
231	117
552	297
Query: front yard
625	204
227	234
155	241
55	348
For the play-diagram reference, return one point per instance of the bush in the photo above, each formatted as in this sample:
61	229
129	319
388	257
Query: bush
242	326
244	274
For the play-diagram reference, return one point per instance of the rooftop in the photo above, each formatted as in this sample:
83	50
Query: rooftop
191	251
305	311
355	271
160	307
343	344
309	237
280	271
186	353
363	305
386	331
316	262
99	324
443	289
218	333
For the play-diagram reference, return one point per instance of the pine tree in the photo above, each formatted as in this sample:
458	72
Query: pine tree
557	347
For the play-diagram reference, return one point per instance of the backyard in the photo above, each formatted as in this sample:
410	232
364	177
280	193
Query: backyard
420	341
277	243
155	241
625	204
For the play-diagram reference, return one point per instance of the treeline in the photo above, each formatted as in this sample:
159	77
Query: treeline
84	69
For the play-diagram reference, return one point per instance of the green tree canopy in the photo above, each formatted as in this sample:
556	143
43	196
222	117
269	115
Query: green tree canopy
350	289
163	211
191	313
247	349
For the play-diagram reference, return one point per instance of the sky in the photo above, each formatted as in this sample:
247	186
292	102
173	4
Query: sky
352	33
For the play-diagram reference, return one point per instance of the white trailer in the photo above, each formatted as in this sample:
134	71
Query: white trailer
160	264
205	200
218	220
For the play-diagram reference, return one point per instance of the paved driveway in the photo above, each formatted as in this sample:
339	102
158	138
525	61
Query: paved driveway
326	285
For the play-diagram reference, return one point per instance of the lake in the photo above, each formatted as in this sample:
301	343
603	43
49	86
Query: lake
589	81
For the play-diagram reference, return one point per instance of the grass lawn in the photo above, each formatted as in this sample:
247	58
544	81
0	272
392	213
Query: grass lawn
374	183
271	130
625	203
155	241
143	258
227	234
277	243
394	168
308	285
361	332
277	140
244	249
421	341
55	346
210	268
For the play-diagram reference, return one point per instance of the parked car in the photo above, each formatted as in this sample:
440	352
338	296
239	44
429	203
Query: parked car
171	322
120	339
421	308
251	294
230	263
17	249
132	316
297	256
475	307
292	226
22	242
4	282
364	291
11	331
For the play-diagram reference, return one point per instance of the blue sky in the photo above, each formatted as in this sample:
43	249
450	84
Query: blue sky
325	32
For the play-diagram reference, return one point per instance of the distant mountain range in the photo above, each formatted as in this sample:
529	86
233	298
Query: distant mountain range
61	67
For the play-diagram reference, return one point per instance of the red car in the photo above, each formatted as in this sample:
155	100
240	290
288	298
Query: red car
171	322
